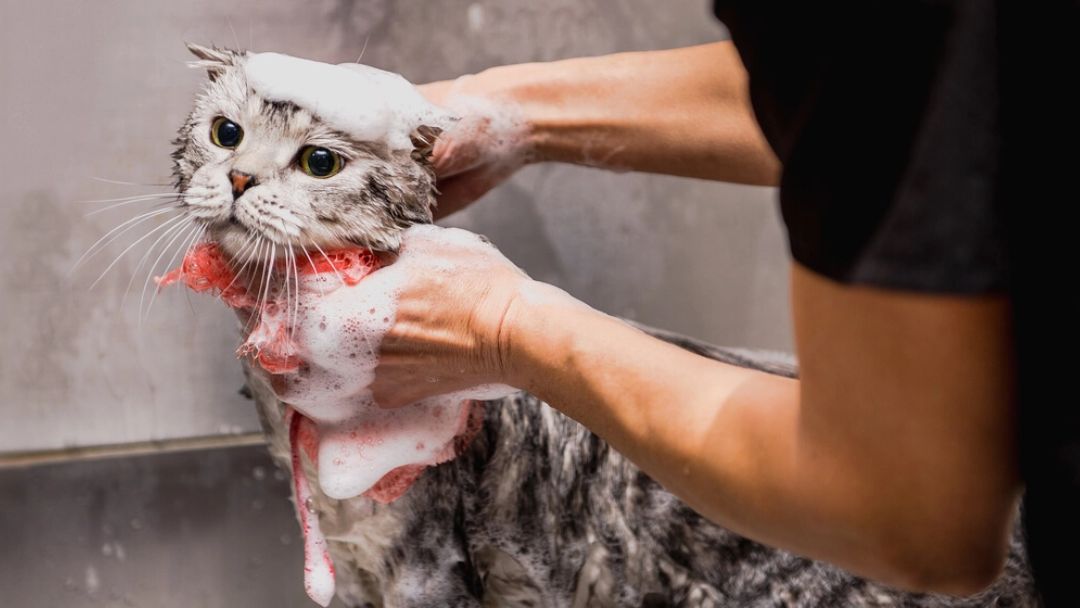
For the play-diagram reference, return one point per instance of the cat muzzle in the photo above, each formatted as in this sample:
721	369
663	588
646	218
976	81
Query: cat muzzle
241	182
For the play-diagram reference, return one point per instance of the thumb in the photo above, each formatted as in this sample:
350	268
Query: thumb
462	190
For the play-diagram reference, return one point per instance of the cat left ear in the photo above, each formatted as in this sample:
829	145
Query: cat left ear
212	59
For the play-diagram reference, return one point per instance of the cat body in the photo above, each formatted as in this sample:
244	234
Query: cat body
540	512
535	510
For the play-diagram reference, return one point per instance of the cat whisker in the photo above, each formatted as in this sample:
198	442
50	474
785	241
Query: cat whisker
264	297
334	268
290	263
252	280
250	243
150	271
363	49
269	288
186	247
256	271
116	233
296	279
311	264
135	197
175	231
236	40
267	273
167	222
123	183
288	294
156	205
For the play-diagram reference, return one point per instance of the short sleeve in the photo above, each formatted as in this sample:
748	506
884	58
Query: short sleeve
885	116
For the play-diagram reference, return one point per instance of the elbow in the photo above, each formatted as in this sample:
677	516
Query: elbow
956	575
956	559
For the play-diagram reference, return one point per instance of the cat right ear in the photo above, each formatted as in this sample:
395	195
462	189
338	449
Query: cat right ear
213	60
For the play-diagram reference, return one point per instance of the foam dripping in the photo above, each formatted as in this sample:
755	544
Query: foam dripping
318	565
355	447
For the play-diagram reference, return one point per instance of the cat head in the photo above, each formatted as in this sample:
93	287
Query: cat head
250	167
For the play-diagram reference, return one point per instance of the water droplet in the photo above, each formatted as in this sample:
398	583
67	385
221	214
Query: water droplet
93	583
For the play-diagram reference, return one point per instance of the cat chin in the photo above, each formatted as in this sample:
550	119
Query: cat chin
235	240
232	238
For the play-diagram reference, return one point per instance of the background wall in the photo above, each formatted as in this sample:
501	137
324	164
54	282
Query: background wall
96	89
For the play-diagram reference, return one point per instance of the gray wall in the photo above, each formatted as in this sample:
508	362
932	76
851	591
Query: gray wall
204	529
95	89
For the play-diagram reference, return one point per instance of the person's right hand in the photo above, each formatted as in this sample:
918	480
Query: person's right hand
488	143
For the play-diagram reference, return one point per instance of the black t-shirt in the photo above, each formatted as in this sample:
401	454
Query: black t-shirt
918	142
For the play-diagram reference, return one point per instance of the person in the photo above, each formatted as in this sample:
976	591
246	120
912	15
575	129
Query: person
902	450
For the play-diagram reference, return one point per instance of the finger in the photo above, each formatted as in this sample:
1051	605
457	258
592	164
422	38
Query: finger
454	154
390	393
462	190
436	92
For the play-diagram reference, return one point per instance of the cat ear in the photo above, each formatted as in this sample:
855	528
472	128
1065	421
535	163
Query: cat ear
423	141
212	59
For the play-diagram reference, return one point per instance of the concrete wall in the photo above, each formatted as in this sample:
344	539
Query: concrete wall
96	89
202	529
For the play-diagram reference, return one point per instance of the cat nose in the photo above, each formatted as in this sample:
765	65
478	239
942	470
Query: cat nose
240	182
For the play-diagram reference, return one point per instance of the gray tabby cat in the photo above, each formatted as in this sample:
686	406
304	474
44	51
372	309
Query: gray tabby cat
536	511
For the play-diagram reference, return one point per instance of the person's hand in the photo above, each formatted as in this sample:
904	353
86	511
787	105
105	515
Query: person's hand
440	319
456	298
488	143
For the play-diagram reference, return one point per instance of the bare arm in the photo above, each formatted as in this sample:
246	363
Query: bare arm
894	457
681	112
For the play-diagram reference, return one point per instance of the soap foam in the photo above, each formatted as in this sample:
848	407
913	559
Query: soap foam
338	334
325	351
318	565
367	103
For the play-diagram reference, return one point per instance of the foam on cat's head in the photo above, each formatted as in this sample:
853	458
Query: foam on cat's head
377	122
369	104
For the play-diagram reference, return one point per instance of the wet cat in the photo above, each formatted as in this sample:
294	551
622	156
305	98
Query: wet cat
535	510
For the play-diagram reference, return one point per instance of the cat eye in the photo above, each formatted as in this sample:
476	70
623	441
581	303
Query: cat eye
225	133
319	162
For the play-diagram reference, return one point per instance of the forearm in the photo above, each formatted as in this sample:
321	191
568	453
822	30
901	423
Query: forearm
680	112
720	437
742	449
